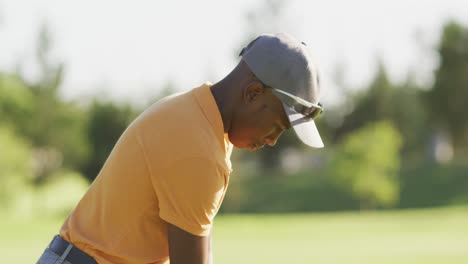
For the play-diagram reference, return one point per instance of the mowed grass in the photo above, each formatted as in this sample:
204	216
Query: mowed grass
408	236
420	236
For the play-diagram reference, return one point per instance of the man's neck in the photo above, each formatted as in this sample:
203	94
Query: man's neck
221	93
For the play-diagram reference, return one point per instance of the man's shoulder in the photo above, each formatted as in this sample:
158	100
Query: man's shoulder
177	126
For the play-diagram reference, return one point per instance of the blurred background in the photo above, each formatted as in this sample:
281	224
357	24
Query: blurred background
391	186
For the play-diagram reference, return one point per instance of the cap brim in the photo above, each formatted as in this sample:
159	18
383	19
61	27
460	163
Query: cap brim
306	130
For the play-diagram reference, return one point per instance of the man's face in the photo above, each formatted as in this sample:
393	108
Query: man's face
259	120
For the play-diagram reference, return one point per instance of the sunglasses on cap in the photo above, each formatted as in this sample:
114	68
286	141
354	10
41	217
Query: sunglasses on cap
310	110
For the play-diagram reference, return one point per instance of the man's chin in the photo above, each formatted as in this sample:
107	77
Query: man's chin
249	147
242	146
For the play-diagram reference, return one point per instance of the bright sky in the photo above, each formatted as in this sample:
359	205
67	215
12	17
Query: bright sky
130	48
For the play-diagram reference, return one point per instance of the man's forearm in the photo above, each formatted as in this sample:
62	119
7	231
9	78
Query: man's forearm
210	247
186	248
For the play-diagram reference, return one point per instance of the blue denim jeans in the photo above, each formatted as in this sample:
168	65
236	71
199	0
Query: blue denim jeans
49	257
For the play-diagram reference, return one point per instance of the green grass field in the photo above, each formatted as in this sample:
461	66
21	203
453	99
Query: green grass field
413	236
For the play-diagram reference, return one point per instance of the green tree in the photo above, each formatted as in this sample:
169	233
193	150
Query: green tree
15	165
55	128
371	104
448	99
410	117
107	121
16	102
366	164
402	104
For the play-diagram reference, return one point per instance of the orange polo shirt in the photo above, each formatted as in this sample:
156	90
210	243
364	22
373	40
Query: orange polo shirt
171	165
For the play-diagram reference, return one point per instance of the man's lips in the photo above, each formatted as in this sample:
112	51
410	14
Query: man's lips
256	146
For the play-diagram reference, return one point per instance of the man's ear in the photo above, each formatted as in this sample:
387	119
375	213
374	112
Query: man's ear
253	90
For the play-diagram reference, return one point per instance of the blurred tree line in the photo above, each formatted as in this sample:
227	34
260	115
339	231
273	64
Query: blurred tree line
43	137
388	144
394	144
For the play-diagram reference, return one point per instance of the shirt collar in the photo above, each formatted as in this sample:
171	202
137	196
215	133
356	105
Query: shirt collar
208	104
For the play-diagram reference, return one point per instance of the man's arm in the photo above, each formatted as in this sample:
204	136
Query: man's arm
210	247
186	248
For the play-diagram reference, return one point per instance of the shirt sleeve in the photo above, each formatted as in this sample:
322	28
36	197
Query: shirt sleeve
190	193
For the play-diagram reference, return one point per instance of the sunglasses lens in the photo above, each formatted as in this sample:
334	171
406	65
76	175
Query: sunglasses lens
315	112
309	112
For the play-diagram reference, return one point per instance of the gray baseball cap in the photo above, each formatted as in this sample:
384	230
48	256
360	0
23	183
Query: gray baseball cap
283	63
